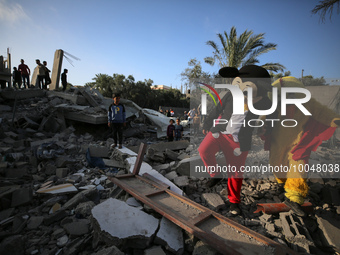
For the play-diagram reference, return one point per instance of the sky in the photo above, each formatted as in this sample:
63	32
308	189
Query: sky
155	39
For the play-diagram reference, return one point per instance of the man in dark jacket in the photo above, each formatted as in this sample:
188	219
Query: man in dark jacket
116	119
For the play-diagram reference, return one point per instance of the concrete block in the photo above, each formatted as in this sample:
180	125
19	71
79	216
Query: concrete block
214	201
99	151
330	228
118	222
173	146
170	236
181	181
154	250
21	197
61	172
16	172
77	228
34	222
113	250
171	176
171	154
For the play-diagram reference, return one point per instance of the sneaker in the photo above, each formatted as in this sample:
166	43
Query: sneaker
235	209
120	146
295	207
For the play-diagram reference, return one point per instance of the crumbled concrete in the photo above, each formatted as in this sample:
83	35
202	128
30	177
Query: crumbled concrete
181	181
123	222
171	236
330	228
154	250
214	201
22	197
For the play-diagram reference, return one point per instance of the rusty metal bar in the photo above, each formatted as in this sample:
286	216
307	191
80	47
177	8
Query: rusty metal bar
222	244
271	208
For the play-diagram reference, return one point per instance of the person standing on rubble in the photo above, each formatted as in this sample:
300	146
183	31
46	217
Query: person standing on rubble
64	79
41	74
25	73
16	78
47	75
178	131
116	119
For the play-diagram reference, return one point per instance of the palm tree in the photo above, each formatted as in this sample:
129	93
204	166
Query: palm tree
325	6
240	51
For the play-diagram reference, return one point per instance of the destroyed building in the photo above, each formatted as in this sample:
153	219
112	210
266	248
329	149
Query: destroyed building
64	190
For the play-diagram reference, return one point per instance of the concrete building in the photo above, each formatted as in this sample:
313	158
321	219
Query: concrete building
160	87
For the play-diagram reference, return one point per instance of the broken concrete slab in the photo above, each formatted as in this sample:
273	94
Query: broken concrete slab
22	197
13	245
170	236
117	221
172	146
330	228
81	197
154	250
171	154
77	228
113	250
34	222
181	181
171	176
99	151
214	201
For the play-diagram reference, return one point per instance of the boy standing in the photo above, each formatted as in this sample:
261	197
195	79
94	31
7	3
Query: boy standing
116	119
178	132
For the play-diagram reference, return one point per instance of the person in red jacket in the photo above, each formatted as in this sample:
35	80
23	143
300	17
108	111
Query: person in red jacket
25	73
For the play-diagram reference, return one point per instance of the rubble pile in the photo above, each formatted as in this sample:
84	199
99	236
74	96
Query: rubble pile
56	198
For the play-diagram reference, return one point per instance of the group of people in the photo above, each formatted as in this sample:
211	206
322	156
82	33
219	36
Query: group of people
21	76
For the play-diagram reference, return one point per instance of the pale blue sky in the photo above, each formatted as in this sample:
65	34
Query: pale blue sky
155	38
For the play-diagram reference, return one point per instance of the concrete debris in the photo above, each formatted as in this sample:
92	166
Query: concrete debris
170	236
214	201
52	201
119	222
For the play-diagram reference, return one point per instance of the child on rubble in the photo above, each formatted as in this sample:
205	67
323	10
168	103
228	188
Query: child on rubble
116	119
178	131
170	131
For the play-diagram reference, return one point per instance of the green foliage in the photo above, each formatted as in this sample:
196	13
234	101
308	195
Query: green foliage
238	51
279	75
324	7
139	92
309	80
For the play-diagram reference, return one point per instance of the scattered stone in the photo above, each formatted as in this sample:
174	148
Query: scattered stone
57	216
61	172
13	245
85	208
21	197
34	222
202	248
171	236
171	176
214	201
113	250
181	181
77	228
62	241
118	221
133	202
154	250
330	228
83	196
171	154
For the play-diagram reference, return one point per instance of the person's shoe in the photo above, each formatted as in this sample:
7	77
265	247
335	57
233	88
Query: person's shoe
235	209
212	182
114	145
120	146
295	207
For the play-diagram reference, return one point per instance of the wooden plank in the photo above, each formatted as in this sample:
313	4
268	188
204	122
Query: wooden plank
139	161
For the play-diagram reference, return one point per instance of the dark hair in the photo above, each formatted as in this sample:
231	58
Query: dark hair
115	95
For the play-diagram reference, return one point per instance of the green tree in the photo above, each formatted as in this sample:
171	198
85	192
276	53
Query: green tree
309	80
324	7
238	51
193	71
279	75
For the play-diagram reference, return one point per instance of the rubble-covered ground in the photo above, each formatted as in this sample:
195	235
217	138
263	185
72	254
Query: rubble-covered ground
55	193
